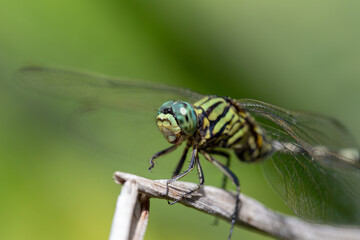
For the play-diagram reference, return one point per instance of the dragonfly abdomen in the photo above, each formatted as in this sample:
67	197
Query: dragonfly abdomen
224	124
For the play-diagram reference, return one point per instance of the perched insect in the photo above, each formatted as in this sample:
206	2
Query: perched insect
312	161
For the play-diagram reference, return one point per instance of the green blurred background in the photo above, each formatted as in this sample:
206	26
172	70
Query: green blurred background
56	174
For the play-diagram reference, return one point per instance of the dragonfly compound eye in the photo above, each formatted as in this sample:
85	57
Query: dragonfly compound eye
166	106
176	120
185	116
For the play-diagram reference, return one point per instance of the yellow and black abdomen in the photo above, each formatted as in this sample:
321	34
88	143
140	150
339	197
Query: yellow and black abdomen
224	124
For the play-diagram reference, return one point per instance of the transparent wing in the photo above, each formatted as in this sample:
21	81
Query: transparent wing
123	134
100	90
316	168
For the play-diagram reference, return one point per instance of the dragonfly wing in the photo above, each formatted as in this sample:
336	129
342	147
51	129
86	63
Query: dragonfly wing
100	90
314	191
316	168
324	138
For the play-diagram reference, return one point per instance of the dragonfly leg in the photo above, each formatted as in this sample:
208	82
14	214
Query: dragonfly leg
201	182
158	154
224	178
191	167
234	179
193	161
181	162
227	156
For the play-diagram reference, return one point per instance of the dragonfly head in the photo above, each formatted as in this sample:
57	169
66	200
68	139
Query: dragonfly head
177	120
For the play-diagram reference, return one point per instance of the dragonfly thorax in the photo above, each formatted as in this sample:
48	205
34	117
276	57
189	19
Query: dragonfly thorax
177	121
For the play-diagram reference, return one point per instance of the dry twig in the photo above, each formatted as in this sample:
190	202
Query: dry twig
253	215
131	214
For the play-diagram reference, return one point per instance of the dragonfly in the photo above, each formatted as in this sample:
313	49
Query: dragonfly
312	161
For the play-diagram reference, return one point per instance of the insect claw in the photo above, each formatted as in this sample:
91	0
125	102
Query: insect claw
173	202
152	165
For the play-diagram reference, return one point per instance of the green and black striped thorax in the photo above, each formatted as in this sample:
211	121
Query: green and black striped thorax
214	122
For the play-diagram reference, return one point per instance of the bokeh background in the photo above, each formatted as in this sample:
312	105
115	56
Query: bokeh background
56	165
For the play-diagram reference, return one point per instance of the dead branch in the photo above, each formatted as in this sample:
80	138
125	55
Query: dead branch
131	214
253	215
